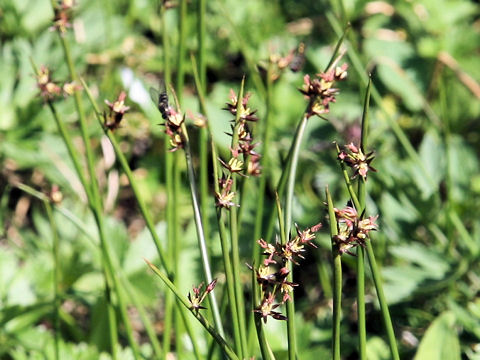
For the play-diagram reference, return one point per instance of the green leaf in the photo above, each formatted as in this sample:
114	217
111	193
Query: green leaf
440	340
400	83
377	349
401	282
435	265
432	155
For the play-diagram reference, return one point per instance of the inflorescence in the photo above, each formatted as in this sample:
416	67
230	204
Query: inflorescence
272	274
243	153
352	230
321	91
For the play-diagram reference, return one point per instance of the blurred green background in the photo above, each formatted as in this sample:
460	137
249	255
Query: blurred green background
424	127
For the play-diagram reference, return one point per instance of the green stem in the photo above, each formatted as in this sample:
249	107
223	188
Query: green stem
265	349
202	29
362	332
220	219
235	248
146	215
370	253
176	239
200	231
110	309
203	139
82	227
96	206
362	193
182	33
56	276
211	330
168	168
230	279
257	233
382	300
133	183
397	130
292	347
337	280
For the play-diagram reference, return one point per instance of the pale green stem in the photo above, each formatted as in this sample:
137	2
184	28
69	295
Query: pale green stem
337	280
212	331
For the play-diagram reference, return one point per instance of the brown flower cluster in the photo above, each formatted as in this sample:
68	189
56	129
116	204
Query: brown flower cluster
116	111
62	16
50	89
272	274
245	137
198	295
243	154
352	230
321	91
354	157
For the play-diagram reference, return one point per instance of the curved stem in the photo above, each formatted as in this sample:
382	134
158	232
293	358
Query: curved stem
292	348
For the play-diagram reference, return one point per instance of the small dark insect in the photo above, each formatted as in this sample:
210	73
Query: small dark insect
299	58
111	125
161	99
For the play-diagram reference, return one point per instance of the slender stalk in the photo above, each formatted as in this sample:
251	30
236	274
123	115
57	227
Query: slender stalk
265	349
96	206
358	201
402	136
397	130
337	280
200	231
292	347
383	301
235	247
56	277
257	233
221	222
168	169
361	192
71	150
211	330
128	287
148	220
82	227
203	131
131	179
182	33
202	30
182	30
177	240
265	161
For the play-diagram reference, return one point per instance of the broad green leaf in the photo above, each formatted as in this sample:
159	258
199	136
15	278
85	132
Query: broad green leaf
400	83
434	264
463	166
396	50
401	282
377	349
440	340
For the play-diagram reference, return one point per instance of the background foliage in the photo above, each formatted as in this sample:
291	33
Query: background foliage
423	57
